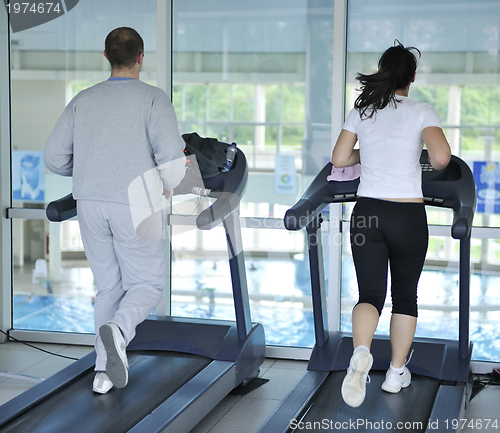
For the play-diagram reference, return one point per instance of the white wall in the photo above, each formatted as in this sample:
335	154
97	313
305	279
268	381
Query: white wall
36	106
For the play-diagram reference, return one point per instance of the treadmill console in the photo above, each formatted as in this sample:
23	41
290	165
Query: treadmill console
227	188
453	187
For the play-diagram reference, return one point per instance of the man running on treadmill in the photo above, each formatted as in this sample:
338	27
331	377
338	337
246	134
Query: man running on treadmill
109	135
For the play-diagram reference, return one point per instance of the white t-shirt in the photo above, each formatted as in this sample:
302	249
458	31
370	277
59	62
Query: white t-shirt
390	145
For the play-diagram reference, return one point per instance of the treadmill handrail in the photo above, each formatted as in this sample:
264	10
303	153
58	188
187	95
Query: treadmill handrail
61	209
453	187
319	193
227	201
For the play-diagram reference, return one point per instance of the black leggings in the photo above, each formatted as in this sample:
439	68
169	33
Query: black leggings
387	232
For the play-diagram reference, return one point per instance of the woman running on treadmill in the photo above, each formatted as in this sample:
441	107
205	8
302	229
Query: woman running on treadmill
388	223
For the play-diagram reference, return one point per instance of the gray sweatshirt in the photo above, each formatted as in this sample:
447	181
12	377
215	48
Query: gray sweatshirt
113	133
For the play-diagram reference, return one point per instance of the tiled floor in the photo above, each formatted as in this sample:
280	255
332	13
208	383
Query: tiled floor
235	413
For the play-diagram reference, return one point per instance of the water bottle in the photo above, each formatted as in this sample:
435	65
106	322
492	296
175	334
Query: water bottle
230	152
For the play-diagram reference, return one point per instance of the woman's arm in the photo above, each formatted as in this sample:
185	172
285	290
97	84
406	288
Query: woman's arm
437	147
344	154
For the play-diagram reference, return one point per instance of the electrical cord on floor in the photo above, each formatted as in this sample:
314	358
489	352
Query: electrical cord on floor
483	380
37	348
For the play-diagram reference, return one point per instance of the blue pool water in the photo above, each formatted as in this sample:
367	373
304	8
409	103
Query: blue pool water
285	324
50	313
53	313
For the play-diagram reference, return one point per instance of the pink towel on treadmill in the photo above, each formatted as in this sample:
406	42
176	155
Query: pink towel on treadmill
344	173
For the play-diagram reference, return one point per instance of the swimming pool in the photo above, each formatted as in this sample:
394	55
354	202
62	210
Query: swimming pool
280	300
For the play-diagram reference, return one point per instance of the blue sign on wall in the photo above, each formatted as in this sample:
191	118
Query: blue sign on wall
487	177
28	183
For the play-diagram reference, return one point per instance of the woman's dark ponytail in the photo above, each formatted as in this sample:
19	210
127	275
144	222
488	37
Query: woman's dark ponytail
396	69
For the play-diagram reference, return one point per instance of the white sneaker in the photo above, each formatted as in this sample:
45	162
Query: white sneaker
394	381
354	384
116	363
101	384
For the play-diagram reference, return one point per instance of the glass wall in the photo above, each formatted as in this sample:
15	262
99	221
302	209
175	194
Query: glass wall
53	286
458	74
259	74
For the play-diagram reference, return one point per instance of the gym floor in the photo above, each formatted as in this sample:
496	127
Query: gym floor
235	413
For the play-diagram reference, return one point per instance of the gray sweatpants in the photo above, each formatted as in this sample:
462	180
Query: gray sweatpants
130	272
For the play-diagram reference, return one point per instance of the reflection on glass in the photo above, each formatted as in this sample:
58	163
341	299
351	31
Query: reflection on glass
221	130
243	102
53	287
219	102
194	99
277	274
253	65
41	300
259	73
458	75
438	299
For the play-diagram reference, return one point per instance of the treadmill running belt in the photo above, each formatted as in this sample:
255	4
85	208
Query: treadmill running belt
409	410
153	377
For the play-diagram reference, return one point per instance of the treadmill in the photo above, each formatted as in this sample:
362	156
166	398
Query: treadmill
179	368
441	375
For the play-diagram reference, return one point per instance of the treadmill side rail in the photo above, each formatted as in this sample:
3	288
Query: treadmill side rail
180	413
297	399
49	386
449	406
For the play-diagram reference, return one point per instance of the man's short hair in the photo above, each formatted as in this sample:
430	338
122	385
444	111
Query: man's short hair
122	46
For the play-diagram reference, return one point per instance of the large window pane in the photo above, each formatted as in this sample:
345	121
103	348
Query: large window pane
219	102
53	285
242	102
458	74
258	63
194	102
